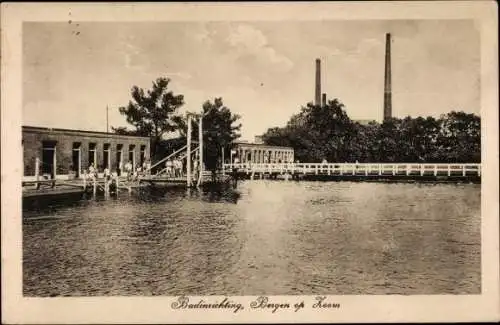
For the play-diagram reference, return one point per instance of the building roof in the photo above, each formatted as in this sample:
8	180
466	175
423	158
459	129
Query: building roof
261	145
77	132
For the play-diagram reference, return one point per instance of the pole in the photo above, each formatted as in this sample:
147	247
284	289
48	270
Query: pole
107	119
223	169
188	155
200	146
37	172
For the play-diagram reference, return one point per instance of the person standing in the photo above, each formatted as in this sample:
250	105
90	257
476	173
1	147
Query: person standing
138	171
128	170
176	167
107	174
92	171
181	167
169	167
120	168
148	167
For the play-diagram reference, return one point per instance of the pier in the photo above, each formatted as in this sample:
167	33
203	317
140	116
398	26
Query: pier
358	171
36	188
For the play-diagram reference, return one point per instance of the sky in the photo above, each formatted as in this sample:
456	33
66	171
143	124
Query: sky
264	71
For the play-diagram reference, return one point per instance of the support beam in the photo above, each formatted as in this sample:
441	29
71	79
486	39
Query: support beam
223	162
188	154
37	172
200	139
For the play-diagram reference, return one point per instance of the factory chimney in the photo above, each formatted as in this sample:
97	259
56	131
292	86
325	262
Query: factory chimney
317	95
387	79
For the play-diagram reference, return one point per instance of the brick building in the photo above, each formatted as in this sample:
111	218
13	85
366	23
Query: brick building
64	152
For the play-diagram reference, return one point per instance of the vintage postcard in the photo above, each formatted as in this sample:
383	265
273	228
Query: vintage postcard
250	162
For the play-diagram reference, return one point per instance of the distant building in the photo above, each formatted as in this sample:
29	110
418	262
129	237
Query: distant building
365	122
262	153
62	152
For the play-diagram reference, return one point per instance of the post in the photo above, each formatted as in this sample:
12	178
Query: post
79	163
54	164
379	169
223	166
37	172
422	170
188	155
435	170
200	148
464	172
94	191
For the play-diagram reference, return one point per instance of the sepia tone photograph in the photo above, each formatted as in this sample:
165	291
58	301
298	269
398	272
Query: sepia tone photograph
222	158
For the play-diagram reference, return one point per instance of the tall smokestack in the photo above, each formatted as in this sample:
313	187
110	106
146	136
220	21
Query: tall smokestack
323	99
317	95
387	79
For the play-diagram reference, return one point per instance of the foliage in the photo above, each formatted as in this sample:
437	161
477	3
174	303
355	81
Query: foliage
124	131
326	132
220	128
152	112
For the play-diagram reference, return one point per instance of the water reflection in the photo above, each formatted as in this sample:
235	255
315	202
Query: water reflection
264	237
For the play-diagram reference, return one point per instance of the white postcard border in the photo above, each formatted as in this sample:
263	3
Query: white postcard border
388	308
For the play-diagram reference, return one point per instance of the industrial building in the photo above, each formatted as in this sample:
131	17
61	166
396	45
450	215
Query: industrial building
321	98
64	153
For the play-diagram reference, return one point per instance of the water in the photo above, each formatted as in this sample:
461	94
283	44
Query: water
265	237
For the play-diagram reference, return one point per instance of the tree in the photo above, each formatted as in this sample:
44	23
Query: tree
220	129
152	112
316	133
326	132
124	131
459	139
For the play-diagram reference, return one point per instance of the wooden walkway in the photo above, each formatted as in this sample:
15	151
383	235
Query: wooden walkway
33	188
359	170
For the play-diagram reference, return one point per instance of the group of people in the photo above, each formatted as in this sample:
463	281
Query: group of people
132	173
174	167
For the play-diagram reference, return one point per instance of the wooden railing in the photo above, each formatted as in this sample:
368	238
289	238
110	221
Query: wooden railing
367	169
